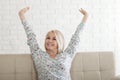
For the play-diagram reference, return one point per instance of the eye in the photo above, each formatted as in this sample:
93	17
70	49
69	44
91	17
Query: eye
54	38
48	38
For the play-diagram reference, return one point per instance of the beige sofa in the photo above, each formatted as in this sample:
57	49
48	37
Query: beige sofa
85	66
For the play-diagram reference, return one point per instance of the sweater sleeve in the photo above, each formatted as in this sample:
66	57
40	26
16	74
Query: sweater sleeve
31	37
74	42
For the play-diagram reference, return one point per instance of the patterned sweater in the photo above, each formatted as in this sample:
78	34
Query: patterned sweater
47	67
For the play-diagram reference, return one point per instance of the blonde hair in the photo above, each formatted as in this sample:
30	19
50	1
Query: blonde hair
60	40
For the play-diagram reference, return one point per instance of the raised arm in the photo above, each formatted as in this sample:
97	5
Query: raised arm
71	48
31	37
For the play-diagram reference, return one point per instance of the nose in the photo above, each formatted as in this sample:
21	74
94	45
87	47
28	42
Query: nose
50	40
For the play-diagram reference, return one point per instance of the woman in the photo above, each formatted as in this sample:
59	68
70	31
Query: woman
55	62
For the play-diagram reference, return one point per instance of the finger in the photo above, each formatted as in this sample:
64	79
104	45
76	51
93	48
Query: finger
27	7
81	10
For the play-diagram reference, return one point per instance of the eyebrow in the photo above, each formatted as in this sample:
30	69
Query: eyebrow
49	36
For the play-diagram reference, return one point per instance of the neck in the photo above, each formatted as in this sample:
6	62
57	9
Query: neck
52	53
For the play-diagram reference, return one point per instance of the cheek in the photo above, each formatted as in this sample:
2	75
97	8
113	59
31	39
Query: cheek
56	43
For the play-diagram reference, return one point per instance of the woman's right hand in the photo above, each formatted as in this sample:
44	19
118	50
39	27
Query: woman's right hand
22	12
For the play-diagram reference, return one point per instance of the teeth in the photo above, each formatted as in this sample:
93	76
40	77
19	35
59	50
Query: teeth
50	44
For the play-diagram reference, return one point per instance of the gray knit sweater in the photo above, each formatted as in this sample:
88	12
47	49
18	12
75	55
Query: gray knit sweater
47	67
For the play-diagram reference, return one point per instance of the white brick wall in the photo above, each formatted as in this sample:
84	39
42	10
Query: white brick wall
101	33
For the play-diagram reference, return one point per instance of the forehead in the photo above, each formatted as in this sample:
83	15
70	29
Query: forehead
51	33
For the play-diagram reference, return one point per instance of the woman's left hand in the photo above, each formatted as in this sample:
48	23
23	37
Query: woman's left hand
83	12
85	15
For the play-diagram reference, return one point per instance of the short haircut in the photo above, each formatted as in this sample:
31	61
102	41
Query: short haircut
60	40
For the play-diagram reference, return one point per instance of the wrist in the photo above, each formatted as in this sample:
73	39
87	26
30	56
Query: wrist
86	15
21	15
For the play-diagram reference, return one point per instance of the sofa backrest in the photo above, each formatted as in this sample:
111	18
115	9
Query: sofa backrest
93	66
16	67
85	66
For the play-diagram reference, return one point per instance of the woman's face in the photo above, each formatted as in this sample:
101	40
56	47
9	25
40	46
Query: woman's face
50	41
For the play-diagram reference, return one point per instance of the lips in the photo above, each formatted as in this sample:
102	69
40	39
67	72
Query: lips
50	44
